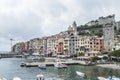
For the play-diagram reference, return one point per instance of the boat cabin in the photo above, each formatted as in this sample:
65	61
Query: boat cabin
40	77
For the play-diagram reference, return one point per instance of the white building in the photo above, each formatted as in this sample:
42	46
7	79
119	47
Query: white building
116	47
118	25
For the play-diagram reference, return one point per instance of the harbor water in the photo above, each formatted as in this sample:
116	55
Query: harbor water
10	67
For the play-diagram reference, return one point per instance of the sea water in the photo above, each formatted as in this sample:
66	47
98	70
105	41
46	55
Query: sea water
10	67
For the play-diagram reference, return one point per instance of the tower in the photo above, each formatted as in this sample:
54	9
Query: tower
108	32
74	26
108	35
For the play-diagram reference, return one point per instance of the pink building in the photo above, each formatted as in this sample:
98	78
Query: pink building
60	47
97	44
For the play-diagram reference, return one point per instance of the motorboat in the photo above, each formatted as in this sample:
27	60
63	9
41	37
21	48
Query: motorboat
16	78
3	78
110	78
59	65
83	75
113	78
101	78
42	66
22	64
40	77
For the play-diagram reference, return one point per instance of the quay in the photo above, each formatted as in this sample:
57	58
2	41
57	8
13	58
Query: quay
67	62
10	55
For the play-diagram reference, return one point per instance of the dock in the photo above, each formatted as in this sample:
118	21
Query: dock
67	62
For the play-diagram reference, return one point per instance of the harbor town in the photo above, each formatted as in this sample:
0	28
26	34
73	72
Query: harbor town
75	46
59	40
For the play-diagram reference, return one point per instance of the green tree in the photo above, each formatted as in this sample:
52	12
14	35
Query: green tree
115	53
81	54
95	58
105	58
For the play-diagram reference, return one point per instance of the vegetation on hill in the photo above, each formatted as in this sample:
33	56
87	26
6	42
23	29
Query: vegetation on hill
90	30
85	27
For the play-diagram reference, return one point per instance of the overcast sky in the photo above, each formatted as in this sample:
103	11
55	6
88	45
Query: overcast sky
23	20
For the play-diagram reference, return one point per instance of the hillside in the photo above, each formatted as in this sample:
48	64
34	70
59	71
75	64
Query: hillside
90	30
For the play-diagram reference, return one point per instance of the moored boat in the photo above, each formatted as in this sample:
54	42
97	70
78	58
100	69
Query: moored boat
22	64
59	65
101	78
110	78
42	66
83	75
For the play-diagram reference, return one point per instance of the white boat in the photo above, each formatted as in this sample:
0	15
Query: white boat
3	78
113	78
101	78
81	74
59	65
42	66
40	77
16	78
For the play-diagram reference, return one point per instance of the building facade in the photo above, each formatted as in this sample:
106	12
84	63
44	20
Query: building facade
108	35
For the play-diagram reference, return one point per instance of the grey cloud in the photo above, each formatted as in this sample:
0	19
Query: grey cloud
27	27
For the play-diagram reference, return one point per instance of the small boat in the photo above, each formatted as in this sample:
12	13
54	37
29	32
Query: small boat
40	77
59	65
22	64
110	78
16	78
42	66
83	75
101	78
3	78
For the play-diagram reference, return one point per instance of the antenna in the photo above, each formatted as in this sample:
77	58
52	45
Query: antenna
11	43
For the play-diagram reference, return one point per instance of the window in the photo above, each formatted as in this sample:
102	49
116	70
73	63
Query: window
97	43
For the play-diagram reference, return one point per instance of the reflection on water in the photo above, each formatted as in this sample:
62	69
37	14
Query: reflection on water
10	67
